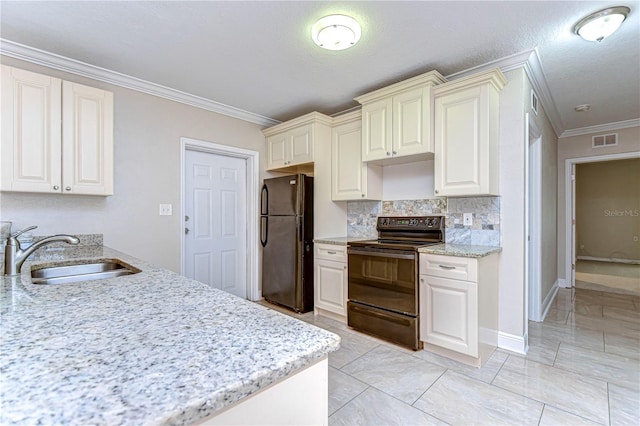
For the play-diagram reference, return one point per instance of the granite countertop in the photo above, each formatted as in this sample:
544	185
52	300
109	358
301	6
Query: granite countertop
145	349
460	250
339	241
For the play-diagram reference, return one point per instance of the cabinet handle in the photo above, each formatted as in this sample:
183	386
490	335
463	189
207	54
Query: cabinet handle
448	268
331	252
56	187
68	188
394	152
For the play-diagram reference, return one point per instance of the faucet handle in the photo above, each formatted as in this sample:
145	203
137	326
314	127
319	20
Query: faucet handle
17	234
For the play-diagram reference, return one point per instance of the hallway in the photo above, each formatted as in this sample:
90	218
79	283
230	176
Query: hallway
621	278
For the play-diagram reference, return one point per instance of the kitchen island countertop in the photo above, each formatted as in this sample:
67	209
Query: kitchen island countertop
145	349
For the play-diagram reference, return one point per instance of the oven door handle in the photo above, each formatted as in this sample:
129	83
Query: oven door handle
387	317
391	255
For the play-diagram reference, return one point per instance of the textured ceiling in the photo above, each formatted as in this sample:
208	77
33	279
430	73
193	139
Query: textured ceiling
259	57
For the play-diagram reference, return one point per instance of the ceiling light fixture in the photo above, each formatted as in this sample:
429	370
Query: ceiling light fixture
602	23
336	32
582	108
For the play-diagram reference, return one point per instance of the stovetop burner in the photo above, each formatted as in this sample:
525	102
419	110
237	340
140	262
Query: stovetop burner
405	233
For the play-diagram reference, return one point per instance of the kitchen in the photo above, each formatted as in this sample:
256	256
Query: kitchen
147	131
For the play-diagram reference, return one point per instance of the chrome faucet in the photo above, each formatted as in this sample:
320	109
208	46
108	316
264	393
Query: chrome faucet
14	256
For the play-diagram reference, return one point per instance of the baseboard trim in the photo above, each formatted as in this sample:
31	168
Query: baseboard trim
513	343
548	301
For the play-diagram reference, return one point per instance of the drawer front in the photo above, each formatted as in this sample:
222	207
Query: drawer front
331	252
457	268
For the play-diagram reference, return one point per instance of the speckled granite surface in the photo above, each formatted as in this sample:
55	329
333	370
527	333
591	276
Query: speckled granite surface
460	250
339	241
145	349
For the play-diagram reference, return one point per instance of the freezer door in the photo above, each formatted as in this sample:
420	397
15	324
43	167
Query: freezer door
282	196
282	261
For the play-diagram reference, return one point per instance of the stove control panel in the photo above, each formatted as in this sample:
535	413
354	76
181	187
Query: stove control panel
410	222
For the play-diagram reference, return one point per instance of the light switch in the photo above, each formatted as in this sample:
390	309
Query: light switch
467	219
166	210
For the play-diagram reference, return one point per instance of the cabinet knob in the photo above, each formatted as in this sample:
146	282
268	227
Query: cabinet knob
436	191
362	195
394	152
68	188
388	153
56	187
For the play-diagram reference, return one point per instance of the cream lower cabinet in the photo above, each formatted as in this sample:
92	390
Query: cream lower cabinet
351	178
459	306
466	135
331	280
57	136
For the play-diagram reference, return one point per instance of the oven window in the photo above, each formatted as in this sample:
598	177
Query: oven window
383	281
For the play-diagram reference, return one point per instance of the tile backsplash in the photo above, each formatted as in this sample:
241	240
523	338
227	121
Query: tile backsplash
485	230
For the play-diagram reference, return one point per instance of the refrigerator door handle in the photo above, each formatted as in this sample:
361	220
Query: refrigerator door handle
299	222
264	200
264	230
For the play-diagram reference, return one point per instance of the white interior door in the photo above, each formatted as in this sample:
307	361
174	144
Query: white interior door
215	221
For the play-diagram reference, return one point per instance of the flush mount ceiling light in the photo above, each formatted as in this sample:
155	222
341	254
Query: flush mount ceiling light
601	24
582	108
336	32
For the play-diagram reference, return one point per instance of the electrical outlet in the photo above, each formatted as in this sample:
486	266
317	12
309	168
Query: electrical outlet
467	219
166	210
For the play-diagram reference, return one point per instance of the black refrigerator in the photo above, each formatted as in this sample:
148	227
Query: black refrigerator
286	235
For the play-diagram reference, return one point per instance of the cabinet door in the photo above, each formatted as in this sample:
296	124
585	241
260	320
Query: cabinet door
31	133
87	140
276	151
300	145
461	144
347	170
411	123
377	125
331	286
449	314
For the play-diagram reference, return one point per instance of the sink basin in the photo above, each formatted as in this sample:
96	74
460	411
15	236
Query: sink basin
65	273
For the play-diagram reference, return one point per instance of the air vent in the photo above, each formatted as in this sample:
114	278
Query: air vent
534	102
604	140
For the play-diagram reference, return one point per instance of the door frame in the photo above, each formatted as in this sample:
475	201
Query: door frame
569	165
533	219
252	173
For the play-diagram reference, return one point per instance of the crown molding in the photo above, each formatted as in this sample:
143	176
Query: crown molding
62	63
530	62
601	128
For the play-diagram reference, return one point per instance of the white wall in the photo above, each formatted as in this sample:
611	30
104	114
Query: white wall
147	173
410	181
548	197
581	147
512	184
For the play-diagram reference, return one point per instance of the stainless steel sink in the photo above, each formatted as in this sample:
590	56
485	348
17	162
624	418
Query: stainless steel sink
65	273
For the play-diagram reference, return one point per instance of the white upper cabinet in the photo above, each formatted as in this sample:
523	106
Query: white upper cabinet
396	120
292	143
352	179
466	135
57	136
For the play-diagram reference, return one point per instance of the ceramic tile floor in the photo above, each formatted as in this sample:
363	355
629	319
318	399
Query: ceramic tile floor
582	368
